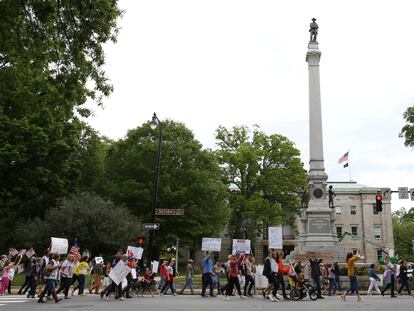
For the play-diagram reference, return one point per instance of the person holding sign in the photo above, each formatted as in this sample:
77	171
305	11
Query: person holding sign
207	279
235	260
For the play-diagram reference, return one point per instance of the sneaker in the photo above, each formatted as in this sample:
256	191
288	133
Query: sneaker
67	297
122	298
107	298
277	299
270	297
359	299
243	297
226	298
60	299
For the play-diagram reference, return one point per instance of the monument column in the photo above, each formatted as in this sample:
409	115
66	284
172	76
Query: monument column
318	216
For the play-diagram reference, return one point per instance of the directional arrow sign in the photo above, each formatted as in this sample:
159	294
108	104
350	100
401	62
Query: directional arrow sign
151	226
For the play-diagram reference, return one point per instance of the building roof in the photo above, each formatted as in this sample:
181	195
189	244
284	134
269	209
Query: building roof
346	185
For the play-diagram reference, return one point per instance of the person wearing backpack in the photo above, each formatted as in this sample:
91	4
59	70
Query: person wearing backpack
50	274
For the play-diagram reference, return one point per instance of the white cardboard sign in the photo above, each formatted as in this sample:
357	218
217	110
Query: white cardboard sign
120	271
59	246
275	237
211	244
241	246
135	252
99	260
155	265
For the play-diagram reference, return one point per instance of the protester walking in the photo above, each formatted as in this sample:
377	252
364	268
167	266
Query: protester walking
98	272
66	274
316	274
207	280
404	278
189	275
81	270
234	277
249	264
50	277
350	261
373	278
389	279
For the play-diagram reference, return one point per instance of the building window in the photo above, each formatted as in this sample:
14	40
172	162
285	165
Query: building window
353	210
377	232
374	209
339	231
338	210
354	251
379	254
354	230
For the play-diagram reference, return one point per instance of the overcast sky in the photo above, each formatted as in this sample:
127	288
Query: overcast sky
211	63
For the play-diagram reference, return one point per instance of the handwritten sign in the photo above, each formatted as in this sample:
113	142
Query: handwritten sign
120	271
241	246
275	237
211	244
135	252
59	246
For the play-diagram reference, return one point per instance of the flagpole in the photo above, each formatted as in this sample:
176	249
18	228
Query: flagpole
349	166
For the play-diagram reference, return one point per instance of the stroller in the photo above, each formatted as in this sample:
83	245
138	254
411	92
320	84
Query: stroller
300	288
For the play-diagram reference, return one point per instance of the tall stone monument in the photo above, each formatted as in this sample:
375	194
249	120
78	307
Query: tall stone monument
317	233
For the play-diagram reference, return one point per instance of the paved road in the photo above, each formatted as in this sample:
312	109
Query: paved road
192	303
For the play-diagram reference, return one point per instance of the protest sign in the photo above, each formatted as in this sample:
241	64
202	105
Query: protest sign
20	268
22	252
59	246
134	274
135	252
99	260
211	244
241	246
120	271
275	237
155	265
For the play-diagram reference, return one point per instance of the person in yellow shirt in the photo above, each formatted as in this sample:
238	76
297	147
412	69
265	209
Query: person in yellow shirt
350	261
81	270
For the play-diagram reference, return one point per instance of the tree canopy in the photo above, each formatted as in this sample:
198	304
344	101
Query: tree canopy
407	132
403	229
190	179
96	224
51	61
265	176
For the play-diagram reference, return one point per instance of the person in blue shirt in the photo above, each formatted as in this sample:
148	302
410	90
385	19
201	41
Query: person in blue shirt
207	280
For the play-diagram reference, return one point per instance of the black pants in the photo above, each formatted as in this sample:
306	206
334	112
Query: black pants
64	285
32	285
81	284
282	285
207	281
404	283
129	285
233	281
275	282
248	283
25	286
390	285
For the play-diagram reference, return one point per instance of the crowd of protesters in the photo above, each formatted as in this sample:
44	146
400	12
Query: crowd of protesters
52	274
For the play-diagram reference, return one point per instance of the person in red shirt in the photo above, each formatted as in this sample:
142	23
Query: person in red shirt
280	272
234	276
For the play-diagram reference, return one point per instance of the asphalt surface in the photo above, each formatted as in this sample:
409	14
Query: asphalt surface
197	303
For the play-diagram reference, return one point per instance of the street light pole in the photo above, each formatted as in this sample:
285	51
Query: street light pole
154	123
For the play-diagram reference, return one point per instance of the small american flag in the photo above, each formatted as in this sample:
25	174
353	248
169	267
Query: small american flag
343	158
74	250
22	252
13	252
30	252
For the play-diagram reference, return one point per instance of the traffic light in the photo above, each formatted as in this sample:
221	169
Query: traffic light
378	202
141	240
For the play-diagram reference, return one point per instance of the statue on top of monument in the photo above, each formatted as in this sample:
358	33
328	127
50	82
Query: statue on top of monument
313	30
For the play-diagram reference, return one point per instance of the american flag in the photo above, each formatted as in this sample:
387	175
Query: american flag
22	252
343	158
13	252
30	252
74	250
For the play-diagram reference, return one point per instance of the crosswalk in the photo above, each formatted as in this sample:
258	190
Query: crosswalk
9	299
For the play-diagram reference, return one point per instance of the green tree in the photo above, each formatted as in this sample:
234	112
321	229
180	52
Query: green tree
51	61
98	225
190	179
403	229
265	176
407	132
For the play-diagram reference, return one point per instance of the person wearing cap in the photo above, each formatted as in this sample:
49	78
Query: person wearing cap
189	274
207	279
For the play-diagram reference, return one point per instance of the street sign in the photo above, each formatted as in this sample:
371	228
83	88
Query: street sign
151	226
169	212
412	194
403	193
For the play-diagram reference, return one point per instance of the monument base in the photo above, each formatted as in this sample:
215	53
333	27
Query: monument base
327	253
